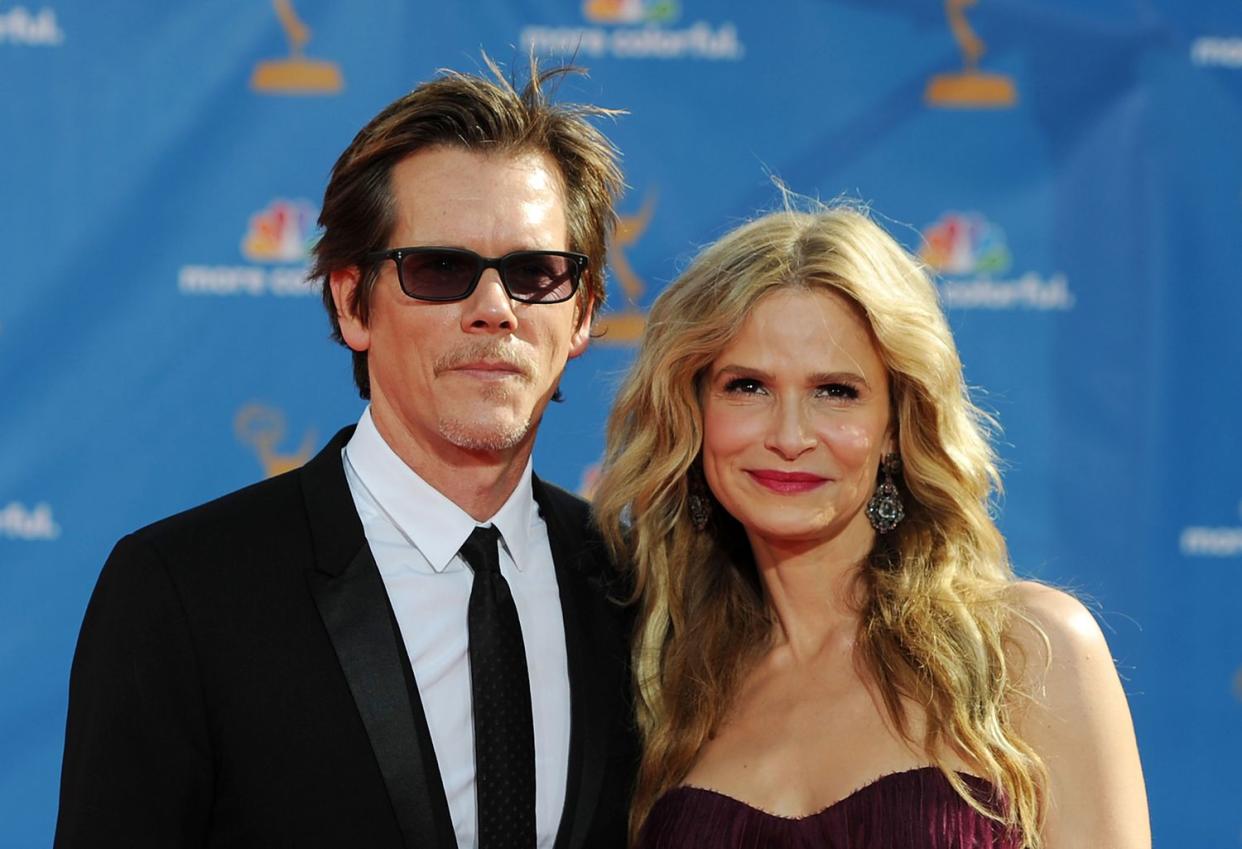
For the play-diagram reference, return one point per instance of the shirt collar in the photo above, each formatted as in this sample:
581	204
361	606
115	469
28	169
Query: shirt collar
426	517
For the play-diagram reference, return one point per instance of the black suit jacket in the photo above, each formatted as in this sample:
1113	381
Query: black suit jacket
240	681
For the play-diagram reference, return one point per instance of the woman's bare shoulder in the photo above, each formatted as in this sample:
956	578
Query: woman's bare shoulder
1052	625
1074	713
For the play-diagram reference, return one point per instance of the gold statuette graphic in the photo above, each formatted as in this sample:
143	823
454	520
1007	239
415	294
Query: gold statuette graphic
297	74
970	88
263	429
626	326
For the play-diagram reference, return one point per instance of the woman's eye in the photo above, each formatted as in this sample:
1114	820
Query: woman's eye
842	391
743	386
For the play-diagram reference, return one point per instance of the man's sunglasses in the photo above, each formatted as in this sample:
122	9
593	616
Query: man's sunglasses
450	274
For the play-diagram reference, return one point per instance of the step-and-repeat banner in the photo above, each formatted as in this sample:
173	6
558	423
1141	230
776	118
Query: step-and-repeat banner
1071	169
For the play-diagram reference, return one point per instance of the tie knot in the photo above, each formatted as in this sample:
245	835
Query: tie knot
479	550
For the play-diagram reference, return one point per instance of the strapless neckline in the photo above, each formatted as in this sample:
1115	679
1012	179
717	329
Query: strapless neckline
870	786
911	809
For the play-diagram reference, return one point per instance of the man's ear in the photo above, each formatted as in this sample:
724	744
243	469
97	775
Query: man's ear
582	333
354	331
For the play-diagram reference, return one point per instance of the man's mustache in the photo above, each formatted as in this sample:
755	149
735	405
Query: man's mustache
486	352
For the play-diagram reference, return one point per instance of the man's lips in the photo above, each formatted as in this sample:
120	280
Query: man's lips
786	482
490	369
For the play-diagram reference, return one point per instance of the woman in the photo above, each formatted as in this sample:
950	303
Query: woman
832	649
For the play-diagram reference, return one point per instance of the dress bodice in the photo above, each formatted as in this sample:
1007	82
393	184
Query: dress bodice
915	809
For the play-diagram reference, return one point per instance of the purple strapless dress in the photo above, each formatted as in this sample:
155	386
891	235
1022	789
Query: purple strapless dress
916	809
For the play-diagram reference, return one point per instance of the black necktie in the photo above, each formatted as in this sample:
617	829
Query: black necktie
504	738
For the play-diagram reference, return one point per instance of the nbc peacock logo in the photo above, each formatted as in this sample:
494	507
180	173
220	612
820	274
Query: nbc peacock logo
283	232
969	253
637	29
631	11
277	243
965	243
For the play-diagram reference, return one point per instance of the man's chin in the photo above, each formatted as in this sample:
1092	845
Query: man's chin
474	435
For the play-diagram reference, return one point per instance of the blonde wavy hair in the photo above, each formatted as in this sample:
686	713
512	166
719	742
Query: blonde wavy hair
935	600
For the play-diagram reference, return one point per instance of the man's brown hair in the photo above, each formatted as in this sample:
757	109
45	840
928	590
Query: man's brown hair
478	114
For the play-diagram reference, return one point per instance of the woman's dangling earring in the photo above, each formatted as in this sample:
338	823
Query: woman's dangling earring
699	501
885	509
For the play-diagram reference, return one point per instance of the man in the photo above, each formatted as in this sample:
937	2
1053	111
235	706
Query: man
410	641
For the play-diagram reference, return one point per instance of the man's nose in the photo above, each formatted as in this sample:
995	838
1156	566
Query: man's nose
489	307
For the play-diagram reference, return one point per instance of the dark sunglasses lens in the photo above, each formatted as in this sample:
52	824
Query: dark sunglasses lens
438	275
540	277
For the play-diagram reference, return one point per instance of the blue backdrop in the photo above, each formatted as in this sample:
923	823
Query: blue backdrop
1070	168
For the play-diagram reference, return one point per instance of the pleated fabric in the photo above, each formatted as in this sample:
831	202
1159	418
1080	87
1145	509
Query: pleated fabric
915	809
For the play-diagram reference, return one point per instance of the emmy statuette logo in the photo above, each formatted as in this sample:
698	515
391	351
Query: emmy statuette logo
296	74
625	326
969	88
263	429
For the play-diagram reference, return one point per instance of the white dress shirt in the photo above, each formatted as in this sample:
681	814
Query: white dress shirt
415	532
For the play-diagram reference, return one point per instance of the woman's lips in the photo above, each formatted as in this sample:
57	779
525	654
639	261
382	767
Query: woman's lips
786	482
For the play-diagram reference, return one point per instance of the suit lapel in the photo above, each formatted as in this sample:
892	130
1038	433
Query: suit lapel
353	603
590	710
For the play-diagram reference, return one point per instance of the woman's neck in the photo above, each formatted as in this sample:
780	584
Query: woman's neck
813	590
